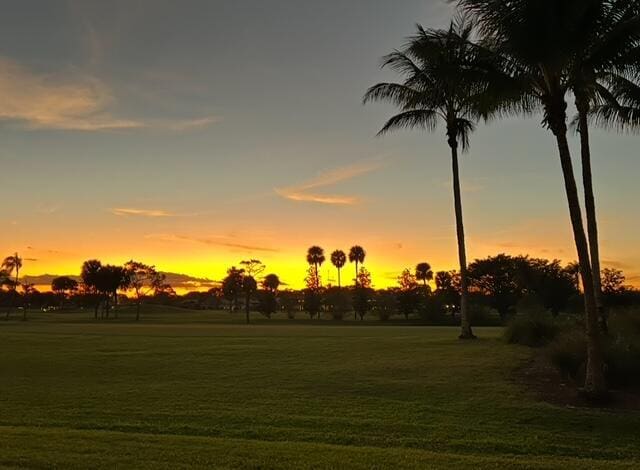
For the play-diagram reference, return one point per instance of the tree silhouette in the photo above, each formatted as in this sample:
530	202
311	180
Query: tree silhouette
13	264
64	286
143	279
600	74
315	257
267	298
424	273
90	280
232	286
443	81
338	259
537	64
249	287
357	256
362	294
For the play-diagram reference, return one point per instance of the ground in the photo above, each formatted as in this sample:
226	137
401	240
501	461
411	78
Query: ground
182	389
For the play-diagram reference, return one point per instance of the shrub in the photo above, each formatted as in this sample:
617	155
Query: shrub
533	330
568	353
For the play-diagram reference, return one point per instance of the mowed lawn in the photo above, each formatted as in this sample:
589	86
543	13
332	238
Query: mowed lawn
196	390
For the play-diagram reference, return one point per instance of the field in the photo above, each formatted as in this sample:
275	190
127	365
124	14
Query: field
183	389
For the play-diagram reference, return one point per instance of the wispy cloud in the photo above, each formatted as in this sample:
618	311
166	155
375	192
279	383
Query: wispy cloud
129	211
305	192
226	242
71	101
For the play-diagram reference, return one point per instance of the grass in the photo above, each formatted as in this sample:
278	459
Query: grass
195	389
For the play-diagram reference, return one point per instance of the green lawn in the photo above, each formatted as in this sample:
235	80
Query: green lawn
194	389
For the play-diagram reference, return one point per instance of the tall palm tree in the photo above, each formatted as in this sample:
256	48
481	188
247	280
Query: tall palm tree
599	70
442	82
357	256
537	41
338	259
315	257
424	273
13	264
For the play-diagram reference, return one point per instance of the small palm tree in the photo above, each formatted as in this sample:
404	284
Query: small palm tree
13	264
315	258
357	256
338	259
443	81
424	273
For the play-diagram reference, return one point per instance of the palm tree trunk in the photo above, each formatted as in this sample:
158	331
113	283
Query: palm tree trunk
339	286
465	322
246	306
595	385
592	221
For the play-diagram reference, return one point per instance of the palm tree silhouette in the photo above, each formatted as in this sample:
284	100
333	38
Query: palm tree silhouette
424	273
11	264
315	257
357	256
599	73
338	259
537	63
441	83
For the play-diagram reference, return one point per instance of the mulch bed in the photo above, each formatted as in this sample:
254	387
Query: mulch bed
548	385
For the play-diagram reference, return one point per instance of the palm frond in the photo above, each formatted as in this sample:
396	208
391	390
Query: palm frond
426	119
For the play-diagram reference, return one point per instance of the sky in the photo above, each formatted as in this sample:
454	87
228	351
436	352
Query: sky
194	134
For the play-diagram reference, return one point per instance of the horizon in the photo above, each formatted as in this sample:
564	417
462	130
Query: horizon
121	141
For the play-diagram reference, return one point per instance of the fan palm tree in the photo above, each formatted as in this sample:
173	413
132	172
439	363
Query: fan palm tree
599	73
537	41
442	82
338	259
424	273
13	264
315	258
357	256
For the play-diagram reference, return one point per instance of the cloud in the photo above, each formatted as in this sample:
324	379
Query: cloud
128	211
227	242
304	192
71	101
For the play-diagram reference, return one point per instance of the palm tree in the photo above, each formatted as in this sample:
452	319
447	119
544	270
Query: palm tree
441	83
249	285
599	71
315	258
11	264
271	282
338	259
424	273
357	256
537	42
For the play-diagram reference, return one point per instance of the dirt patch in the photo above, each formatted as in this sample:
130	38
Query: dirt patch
548	385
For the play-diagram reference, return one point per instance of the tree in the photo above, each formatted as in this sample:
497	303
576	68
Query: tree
13	264
315	258
90	279
408	293
537	63
447	292
64	286
110	279
249	287
599	72
10	265
441	82
143	279
357	256
312	300
500	282
424	273
232	286
362	294
267	297
573	269
253	267
338	259
552	283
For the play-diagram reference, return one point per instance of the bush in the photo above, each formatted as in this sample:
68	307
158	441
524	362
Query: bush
533	330
568	353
